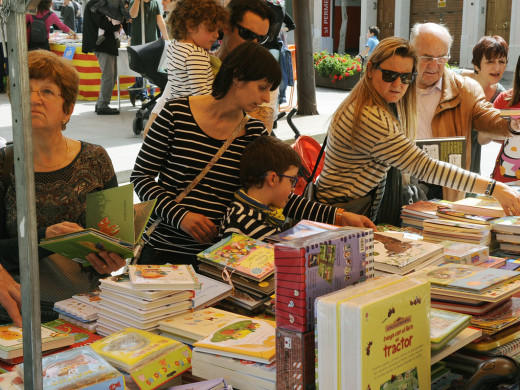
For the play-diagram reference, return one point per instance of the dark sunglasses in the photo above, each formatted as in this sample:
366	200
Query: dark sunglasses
248	35
389	76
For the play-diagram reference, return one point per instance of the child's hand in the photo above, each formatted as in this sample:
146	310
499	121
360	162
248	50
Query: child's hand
351	219
199	227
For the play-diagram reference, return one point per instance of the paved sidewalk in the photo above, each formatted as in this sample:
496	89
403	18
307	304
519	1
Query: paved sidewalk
116	135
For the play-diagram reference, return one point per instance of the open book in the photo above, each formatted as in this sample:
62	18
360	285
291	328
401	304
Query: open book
114	224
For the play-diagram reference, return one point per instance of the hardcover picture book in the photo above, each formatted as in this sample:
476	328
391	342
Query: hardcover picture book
395	254
242	338
303	228
456	215
445	325
501	317
466	277
77	368
130	348
163	277
83	311
11	341
121	284
451	149
113	223
464	253
246	256
509	224
374	334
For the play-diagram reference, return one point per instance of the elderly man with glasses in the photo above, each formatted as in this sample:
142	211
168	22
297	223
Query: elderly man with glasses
450	105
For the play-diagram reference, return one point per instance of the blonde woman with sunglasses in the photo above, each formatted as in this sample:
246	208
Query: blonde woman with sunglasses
374	129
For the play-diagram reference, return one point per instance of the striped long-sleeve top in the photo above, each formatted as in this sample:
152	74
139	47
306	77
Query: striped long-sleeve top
174	151
189	70
352	170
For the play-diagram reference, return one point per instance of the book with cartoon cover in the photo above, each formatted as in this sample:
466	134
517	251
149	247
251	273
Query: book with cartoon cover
163	277
77	368
501	317
131	347
11	341
121	284
243	338
395	254
113	223
445	325
244	255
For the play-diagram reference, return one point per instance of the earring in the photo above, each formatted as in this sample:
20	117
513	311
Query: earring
64	125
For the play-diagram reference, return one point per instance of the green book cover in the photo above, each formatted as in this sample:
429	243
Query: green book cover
114	224
445	325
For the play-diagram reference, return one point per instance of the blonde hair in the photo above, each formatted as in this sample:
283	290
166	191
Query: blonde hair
364	93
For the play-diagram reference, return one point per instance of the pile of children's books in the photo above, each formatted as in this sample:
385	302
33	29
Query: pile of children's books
81	309
245	263
507	231
414	214
438	230
144	296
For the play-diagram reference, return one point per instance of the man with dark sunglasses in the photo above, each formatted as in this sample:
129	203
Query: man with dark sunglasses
249	20
449	105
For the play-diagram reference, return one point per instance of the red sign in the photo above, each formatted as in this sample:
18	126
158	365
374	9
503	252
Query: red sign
325	18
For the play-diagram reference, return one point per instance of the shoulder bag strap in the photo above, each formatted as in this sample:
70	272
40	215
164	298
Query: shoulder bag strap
212	162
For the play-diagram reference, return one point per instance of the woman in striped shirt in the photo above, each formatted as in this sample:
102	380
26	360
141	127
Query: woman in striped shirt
183	139
374	129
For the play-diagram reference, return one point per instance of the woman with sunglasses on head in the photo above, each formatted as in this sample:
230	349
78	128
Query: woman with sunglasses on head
374	129
65	172
187	136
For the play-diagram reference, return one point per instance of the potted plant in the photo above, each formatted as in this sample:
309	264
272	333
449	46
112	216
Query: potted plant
336	70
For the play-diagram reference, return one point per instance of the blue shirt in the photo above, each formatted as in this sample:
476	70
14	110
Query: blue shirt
372	43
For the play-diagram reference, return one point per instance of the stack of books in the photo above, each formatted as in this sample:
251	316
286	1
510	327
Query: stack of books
81	309
414	214
485	206
438	230
307	268
393	253
463	253
249	266
144	296
507	231
469	285
461	216
444	326
242	351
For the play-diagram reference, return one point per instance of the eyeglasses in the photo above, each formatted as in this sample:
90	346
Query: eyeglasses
47	94
389	76
249	35
293	179
439	60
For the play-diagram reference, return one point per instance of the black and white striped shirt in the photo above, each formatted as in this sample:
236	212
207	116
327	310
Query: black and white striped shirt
174	151
353	170
189	70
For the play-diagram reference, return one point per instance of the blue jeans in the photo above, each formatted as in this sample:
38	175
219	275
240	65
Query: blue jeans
140	94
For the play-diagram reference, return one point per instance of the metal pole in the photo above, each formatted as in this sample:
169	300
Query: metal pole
25	195
304	65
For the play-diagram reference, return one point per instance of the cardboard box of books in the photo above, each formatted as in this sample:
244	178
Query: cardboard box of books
315	265
375	335
295	359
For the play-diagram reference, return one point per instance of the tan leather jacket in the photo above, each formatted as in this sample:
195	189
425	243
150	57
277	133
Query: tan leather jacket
463	106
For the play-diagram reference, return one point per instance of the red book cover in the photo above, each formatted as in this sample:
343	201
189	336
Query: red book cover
328	261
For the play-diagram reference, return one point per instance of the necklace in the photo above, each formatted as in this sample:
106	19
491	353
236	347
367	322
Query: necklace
61	163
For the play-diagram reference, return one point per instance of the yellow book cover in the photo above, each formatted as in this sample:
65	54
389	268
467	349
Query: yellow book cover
130	347
375	336
243	338
198	324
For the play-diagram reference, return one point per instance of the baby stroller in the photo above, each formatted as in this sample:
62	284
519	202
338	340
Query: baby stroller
145	59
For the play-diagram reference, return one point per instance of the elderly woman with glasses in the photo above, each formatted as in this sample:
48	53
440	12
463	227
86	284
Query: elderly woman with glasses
374	129
65	171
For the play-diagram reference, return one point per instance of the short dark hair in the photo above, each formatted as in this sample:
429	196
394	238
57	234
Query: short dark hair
237	9
374	30
249	61
490	47
266	154
192	13
44	5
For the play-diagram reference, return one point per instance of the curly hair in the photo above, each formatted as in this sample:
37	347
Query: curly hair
45	65
189	14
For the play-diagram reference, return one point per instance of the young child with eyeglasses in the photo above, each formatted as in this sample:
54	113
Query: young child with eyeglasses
268	174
